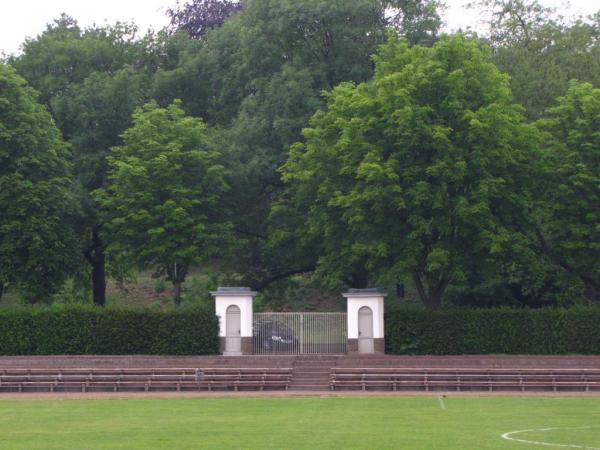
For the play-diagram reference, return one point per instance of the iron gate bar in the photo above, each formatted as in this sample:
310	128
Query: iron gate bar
299	333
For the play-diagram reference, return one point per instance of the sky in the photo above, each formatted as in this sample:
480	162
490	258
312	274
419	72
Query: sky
28	18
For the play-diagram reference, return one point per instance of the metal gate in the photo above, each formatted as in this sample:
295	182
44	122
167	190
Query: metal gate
299	333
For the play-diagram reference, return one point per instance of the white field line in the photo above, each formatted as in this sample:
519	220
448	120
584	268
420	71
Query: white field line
441	401
508	435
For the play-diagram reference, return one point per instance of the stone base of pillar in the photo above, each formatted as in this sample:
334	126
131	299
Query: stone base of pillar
246	346
352	346
378	346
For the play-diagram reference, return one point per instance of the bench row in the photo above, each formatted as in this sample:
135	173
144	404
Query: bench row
103	386
469	379
464	378
161	379
462	371
142	378
465	386
142	371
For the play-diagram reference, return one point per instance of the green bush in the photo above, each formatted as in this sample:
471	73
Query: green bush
76	329
549	331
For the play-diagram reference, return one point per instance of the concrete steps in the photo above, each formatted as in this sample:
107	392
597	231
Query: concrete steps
312	374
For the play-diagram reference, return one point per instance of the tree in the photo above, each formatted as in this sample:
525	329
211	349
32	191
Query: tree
542	51
91	79
93	114
515	22
163	203
416	20
65	54
570	232
200	16
266	68
414	173
37	207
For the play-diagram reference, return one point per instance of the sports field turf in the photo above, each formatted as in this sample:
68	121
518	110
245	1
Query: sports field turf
299	422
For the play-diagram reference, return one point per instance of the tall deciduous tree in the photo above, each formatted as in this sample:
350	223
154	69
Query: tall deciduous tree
263	72
414	173
542	51
91	79
570	232
198	17
163	203
418	21
65	54
93	114
37	207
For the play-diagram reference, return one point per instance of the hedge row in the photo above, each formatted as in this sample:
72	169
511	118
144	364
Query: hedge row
494	331
90	330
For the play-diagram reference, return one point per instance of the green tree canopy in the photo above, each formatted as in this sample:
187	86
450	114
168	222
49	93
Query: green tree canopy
65	54
264	70
570	231
37	207
542	51
163	201
414	173
92	79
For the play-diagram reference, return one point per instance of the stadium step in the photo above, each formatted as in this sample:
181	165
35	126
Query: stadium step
311	374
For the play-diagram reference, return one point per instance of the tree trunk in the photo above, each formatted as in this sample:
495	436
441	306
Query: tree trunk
176	274
1	289
177	297
99	278
96	258
436	296
432	298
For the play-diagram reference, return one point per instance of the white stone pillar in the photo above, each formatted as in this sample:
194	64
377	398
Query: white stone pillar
372	300
235	299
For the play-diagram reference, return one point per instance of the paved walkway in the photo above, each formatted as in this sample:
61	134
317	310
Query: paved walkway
275	394
476	361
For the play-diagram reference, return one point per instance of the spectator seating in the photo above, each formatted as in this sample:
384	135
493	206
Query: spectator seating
463	379
143	380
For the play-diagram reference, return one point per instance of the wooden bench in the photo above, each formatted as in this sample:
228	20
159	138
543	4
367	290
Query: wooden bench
444	379
142	379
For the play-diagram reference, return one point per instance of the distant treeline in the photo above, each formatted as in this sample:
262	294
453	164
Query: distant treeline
348	140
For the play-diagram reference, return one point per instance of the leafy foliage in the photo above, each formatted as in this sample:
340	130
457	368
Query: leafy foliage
65	54
548	331
91	79
163	202
418	21
420	168
570	231
413	173
37	206
87	330
542	51
200	16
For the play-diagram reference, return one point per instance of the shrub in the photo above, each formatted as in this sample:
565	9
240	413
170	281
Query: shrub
76	329
494	331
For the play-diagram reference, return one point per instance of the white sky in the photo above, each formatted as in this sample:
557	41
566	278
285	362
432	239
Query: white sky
28	18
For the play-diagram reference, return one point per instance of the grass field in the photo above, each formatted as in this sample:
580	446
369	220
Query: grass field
390	422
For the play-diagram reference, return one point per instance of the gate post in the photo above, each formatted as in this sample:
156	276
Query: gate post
242	298
373	299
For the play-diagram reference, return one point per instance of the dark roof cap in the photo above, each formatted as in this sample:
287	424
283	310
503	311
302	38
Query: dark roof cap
376	290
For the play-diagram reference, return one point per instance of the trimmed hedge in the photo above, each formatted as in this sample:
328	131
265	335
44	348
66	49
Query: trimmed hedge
88	330
494	331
